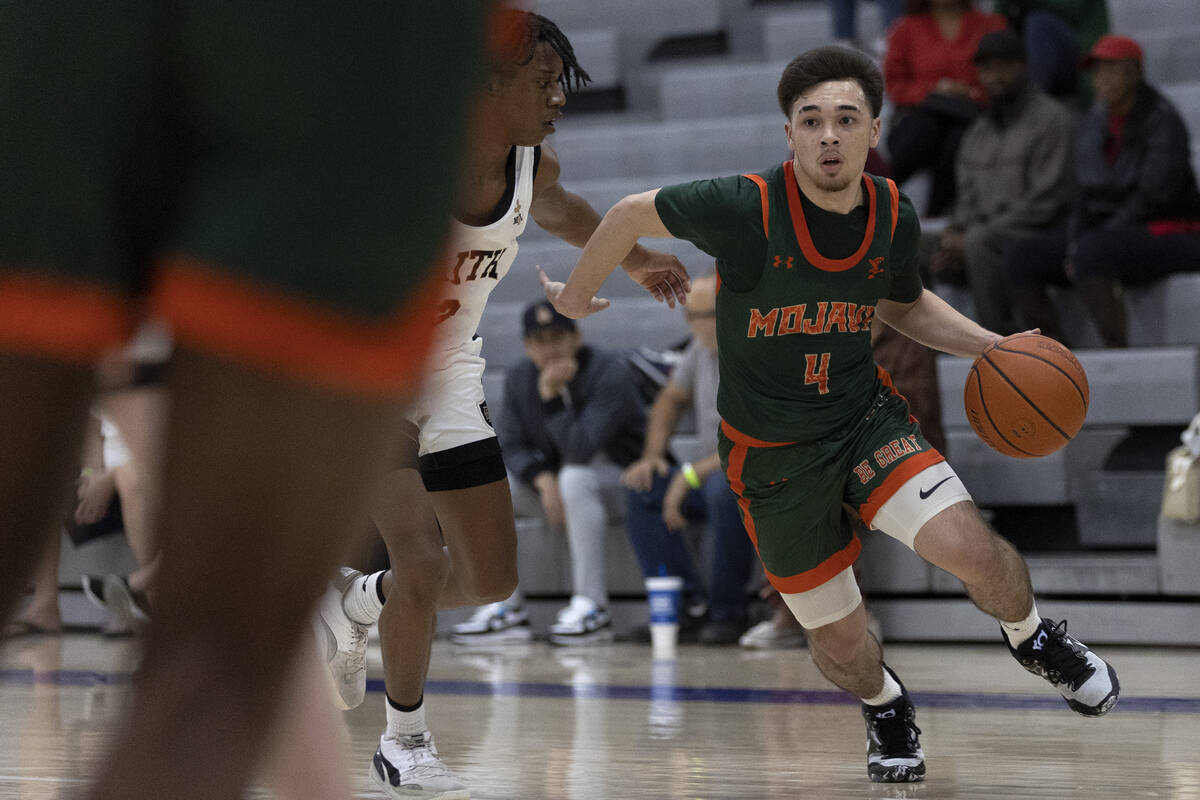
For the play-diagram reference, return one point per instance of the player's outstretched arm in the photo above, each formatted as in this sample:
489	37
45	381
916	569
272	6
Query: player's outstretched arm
630	219
934	323
572	219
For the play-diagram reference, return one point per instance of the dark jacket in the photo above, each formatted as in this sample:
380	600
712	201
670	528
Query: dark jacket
602	413
1152	176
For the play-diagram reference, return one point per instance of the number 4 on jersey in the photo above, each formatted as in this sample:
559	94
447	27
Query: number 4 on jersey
816	370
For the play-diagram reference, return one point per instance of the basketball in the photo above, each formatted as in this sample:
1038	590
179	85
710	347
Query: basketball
1026	396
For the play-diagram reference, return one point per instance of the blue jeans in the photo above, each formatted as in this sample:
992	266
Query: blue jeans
660	549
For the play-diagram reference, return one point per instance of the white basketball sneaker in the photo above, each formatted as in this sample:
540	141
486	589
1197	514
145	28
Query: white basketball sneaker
408	767
582	622
343	642
495	623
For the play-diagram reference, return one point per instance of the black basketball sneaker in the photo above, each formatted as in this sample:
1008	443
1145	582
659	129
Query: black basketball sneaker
894	752
1087	682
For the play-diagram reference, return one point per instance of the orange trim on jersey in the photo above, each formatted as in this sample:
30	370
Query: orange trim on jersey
251	322
822	573
61	318
737	437
737	461
894	191
766	203
805	239
908	469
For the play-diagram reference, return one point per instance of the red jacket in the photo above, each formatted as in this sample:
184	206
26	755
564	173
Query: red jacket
918	56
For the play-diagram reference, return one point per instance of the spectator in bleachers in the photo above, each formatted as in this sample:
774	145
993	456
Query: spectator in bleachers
1014	177
931	79
572	419
665	498
1056	32
1136	215
845	21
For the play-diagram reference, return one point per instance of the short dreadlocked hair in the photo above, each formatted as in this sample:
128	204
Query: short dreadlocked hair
518	32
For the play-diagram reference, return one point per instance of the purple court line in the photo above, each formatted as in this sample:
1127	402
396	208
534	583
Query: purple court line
679	694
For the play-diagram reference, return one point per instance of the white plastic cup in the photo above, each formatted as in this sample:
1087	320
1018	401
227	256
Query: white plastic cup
663	595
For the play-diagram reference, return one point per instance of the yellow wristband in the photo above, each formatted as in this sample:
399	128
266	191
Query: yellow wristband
88	472
689	475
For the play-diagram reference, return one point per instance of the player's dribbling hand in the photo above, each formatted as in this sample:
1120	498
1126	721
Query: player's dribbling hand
662	275
564	305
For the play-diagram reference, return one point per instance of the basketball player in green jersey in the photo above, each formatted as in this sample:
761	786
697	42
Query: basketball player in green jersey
808	254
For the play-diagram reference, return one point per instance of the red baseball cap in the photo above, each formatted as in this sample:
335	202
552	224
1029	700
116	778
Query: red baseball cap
1114	48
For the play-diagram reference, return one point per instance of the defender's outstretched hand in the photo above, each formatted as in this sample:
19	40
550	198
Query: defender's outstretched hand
663	275
554	292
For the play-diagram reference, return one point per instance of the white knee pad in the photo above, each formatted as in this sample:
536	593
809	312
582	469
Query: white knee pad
832	600
930	491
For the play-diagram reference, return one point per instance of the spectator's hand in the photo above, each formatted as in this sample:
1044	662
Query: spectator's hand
672	512
552	507
95	492
661	274
952	87
554	292
639	475
952	240
555	375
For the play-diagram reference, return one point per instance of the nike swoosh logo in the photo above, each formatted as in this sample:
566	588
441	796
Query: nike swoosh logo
926	492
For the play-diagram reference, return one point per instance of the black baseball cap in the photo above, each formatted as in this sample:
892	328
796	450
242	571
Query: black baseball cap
541	316
1001	46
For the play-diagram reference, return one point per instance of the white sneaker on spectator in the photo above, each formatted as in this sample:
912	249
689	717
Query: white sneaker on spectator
582	622
343	642
767	635
409	767
495	623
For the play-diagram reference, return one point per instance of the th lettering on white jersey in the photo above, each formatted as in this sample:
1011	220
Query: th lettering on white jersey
482	256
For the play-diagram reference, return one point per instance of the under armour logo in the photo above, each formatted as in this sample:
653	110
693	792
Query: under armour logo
788	265
1039	641
875	269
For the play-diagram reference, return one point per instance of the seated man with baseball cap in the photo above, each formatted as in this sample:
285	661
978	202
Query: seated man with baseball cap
571	420
1136	215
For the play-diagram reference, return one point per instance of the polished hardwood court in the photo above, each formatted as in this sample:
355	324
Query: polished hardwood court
534	721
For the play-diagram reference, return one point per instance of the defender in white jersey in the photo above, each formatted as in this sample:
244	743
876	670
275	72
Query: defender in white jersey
446	513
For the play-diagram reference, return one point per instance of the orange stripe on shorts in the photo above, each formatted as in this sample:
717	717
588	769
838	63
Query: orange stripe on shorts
823	572
213	311
61	318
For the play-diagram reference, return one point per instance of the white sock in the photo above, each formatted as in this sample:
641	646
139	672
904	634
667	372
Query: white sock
891	691
1018	632
404	723
363	601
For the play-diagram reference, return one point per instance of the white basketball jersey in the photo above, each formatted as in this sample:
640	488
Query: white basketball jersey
481	256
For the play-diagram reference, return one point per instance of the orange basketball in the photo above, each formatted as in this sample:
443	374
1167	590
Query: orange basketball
1026	396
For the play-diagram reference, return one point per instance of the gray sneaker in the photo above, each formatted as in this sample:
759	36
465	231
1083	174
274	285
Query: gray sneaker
343	642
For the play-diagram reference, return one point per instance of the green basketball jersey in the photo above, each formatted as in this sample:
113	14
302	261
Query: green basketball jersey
798	290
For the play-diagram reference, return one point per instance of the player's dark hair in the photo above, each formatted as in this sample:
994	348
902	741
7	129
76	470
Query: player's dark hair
831	63
519	32
912	7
